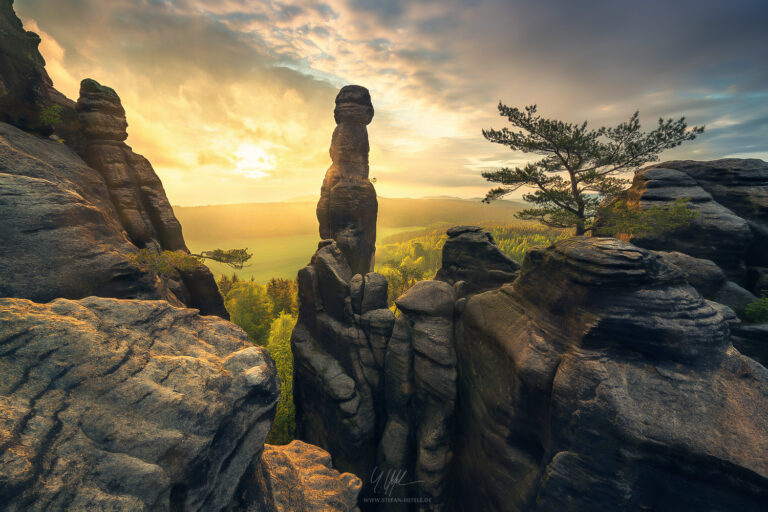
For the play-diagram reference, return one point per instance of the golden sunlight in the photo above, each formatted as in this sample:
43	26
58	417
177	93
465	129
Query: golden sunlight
253	161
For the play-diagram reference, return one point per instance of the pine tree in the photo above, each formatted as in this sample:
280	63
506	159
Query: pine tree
581	166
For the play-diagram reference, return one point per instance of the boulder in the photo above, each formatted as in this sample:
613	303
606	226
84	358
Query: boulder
471	256
127	405
704	275
297	477
601	380
735	297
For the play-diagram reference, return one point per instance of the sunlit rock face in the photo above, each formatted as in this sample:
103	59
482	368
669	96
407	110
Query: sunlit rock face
348	207
601	380
296	477
130	405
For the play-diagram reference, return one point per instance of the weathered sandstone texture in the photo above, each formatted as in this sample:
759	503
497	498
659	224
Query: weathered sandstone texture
472	261
127	405
347	208
601	380
297	477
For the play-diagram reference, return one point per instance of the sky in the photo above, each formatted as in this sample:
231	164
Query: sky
232	100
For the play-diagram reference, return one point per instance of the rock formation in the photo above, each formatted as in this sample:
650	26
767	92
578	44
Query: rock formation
473	262
338	351
732	204
600	380
61	234
724	253
24	83
127	405
347	208
108	403
75	223
297	477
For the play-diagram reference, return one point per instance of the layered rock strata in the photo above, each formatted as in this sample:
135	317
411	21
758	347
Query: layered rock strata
127	405
601	380
338	347
731	199
297	477
473	262
136	192
348	207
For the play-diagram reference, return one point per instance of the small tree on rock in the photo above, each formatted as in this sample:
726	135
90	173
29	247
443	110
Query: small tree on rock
581	166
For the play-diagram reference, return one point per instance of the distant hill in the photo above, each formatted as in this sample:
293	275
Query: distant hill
217	223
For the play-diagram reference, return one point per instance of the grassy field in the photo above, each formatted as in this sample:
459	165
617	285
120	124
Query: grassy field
275	256
283	236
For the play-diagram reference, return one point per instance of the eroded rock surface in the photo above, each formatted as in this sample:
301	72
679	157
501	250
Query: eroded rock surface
338	350
297	477
127	405
731	198
473	262
61	234
24	84
348	206
601	380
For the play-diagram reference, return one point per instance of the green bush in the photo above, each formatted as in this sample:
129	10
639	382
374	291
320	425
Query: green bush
625	221
51	115
250	308
279	346
757	311
166	263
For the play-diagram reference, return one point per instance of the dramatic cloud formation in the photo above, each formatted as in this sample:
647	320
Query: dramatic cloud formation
231	100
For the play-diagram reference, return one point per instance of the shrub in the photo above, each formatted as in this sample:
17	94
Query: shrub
757	311
51	115
279	346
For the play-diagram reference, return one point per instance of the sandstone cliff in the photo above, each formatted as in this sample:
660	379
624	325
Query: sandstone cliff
724	253
76	211
119	400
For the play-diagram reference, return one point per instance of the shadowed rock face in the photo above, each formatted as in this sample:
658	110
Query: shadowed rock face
347	208
127	405
61	234
338	351
601	380
24	84
473	262
731	198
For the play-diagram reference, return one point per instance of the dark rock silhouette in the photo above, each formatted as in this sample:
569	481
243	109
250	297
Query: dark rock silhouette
731	199
473	262
24	84
347	208
600	380
76	223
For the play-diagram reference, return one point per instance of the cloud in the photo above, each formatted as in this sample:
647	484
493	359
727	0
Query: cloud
201	79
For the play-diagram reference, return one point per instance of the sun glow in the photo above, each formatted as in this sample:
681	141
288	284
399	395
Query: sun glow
253	161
